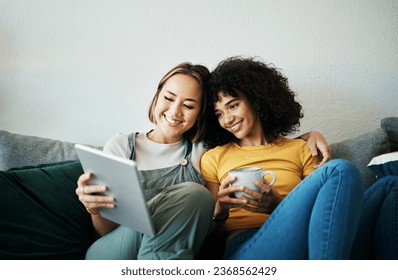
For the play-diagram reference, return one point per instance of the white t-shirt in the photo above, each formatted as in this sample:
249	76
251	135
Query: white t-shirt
150	155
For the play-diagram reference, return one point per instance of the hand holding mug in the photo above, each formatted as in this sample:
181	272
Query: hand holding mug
247	176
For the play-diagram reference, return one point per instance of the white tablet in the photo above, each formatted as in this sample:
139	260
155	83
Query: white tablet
121	177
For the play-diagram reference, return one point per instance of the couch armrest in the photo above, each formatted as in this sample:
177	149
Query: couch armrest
18	150
391	126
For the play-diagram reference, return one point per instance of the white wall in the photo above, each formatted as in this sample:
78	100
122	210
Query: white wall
83	70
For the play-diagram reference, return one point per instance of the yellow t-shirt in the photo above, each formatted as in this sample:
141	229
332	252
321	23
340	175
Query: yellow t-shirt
290	159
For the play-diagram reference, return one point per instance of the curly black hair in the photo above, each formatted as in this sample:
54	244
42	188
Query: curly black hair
264	86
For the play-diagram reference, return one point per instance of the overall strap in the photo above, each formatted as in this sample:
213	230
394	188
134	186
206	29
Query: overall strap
188	147
132	138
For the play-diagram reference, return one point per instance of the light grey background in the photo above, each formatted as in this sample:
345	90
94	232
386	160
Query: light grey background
83	70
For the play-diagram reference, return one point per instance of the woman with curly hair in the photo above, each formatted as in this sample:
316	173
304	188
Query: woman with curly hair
307	213
167	157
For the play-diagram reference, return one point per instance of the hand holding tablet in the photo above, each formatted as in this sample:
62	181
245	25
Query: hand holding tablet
121	177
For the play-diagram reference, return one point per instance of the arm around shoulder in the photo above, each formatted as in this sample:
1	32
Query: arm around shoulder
316	142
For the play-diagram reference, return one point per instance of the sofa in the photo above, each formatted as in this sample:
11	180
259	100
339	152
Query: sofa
42	218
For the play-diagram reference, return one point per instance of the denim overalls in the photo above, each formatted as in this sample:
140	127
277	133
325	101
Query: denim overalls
181	210
155	181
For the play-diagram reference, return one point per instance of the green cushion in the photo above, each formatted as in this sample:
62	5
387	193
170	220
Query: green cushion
41	216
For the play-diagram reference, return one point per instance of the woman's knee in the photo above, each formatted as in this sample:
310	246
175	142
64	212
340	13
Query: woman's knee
346	173
192	194
345	168
198	193
343	165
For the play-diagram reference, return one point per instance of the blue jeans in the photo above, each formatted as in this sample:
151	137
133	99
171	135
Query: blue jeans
377	236
318	219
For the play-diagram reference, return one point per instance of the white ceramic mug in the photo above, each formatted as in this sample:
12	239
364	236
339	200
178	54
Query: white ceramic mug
246	177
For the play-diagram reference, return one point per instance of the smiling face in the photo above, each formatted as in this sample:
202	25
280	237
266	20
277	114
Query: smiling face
238	116
177	108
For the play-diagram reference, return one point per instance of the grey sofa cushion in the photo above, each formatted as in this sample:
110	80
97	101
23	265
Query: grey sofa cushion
361	149
391	126
18	150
